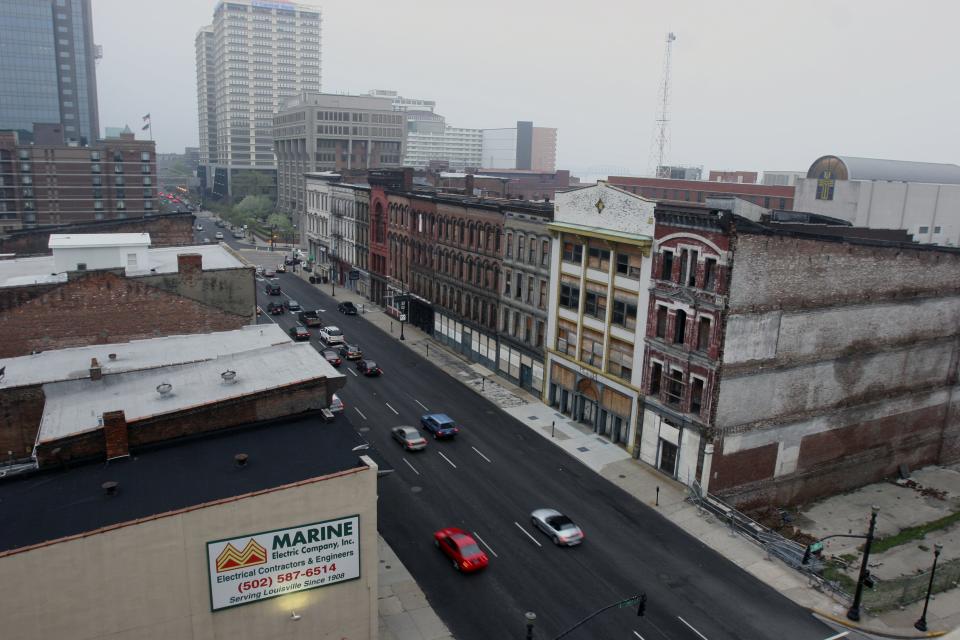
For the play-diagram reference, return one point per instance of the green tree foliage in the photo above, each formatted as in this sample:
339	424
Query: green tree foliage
258	207
249	183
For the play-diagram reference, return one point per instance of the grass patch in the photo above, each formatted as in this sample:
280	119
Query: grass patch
833	572
914	533
848	557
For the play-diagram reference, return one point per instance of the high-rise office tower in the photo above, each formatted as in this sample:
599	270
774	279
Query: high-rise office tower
253	57
47	68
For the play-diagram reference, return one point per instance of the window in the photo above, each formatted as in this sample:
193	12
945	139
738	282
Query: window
666	266
596	303
703	334
692	269
520	242
696	395
543	294
675	387
591	347
145	156
566	337
628	263
620	359
624	314
530	289
569	296
936	229
924	230
507	278
539	342
825	186
684	264
679	327
598	258
519	283
95	156
656	372
661	322
545	253
709	274
572	252
532	258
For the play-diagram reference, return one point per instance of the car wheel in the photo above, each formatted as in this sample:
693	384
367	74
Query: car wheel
456	565
556	541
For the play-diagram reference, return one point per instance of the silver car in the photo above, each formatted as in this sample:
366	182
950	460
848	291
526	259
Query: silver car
559	527
409	437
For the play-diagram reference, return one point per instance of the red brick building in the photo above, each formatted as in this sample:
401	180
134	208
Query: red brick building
697	191
740	177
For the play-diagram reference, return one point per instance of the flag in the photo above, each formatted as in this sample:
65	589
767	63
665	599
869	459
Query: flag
145	127
146	117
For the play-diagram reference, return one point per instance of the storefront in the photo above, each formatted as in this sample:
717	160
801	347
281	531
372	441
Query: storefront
593	400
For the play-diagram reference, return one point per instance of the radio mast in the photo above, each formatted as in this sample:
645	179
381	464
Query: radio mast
662	139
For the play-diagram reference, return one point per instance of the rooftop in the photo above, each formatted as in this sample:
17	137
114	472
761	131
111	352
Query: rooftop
66	240
74	364
45	506
41	269
76	406
853	168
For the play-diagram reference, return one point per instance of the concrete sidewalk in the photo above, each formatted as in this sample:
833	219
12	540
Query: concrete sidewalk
649	486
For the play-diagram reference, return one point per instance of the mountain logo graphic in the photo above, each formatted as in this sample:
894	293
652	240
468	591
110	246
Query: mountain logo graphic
230	558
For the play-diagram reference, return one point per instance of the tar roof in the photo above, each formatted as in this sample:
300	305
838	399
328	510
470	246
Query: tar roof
72	240
72	364
49	505
75	406
42	270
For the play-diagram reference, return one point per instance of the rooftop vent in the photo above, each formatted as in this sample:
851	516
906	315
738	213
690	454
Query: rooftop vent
112	356
164	389
110	487
229	376
241	460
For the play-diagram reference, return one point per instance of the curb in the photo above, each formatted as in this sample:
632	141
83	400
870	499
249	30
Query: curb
883	634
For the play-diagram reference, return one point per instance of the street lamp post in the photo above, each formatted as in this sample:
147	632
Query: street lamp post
531	620
921	624
854	612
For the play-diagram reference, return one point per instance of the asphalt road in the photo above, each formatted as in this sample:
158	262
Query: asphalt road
489	479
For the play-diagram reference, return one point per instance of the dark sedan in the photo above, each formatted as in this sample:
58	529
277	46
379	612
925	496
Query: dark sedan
347	308
275	308
351	352
299	332
332	357
369	368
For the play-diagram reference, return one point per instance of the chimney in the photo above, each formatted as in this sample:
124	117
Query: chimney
189	263
468	185
407	178
115	434
95	371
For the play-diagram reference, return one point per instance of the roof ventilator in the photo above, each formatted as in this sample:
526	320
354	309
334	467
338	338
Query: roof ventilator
110	487
164	389
229	376
241	460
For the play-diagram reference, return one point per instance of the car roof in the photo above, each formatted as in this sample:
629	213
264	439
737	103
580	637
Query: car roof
545	513
331	352
330	327
439	417
407	428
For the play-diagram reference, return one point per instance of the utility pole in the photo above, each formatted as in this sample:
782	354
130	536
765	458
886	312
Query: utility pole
854	612
661	141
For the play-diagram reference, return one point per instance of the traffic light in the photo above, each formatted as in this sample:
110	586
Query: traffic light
815	548
642	605
868	580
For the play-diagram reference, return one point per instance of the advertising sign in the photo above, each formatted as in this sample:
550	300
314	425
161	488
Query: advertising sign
274	563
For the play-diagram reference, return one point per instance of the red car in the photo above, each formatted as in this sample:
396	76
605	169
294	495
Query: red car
332	357
461	548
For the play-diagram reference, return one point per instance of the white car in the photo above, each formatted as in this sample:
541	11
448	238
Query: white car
219	235
557	526
336	405
332	335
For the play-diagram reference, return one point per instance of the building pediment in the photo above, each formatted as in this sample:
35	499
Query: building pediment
605	207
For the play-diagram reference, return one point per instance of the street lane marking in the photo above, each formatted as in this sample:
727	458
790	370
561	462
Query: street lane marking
360	412
353	372
641	637
691	628
447	459
421	404
839	635
483	542
391	408
480	454
532	539
411	467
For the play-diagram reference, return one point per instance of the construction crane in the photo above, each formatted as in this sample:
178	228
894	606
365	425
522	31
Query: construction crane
661	141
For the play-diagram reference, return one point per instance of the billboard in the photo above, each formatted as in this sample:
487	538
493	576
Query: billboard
265	565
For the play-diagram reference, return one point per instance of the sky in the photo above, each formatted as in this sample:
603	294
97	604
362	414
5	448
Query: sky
756	84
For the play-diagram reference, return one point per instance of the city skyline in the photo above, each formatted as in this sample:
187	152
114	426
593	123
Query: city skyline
789	86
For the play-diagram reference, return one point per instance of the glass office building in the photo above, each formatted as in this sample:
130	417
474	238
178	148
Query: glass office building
47	72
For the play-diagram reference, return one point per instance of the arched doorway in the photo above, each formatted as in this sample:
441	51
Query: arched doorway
587	402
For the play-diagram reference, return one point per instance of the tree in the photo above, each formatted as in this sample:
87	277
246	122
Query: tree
254	207
247	183
281	222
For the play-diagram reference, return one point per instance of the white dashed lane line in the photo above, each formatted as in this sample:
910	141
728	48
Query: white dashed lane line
447	459
480	454
360	412
411	467
421	404
391	408
527	533
691	628
484	543
353	372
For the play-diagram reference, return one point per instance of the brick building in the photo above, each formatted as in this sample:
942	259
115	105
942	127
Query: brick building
48	182
782	364
98	289
697	191
506	183
739	177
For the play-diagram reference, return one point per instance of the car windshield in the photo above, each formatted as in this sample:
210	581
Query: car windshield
411	434
467	546
561	522
371	364
334	332
330	354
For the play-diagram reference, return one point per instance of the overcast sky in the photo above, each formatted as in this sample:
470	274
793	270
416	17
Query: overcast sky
758	84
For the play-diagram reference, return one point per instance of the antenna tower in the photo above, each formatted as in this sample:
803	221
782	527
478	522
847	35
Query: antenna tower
661	144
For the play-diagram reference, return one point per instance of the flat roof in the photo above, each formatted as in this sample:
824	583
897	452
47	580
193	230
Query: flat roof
76	406
47	505
73	240
74	364
41	269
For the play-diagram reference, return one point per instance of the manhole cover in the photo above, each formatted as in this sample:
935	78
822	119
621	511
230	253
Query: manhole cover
416	489
583	449
531	417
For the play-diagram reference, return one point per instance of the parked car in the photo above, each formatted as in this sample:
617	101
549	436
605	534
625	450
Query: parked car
281	268
272	287
557	526
299	332
332	357
275	308
440	425
409	437
199	227
268	272
332	335
289	261
293	305
260	270
461	548
206	241
347	308
336	404
350	352
218	235
369	368
310	318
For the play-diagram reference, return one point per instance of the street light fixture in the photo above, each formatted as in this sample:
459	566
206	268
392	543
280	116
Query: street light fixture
531	620
854	612
921	624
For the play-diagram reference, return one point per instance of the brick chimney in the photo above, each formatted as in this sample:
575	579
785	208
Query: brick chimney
115	434
95	371
407	178
189	263
468	185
